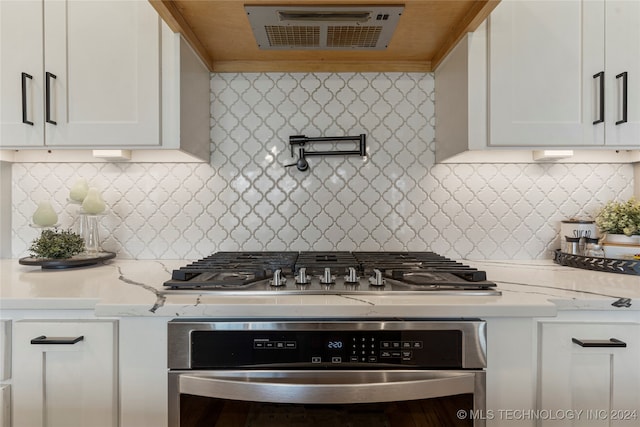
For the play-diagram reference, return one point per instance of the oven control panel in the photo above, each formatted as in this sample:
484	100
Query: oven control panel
336	349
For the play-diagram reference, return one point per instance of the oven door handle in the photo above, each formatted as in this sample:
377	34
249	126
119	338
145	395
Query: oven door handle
329	387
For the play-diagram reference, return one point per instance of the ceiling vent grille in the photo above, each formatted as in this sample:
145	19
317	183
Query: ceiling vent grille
353	36
297	36
324	27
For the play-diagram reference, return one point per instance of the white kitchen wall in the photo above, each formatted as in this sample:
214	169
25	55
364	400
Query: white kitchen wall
394	199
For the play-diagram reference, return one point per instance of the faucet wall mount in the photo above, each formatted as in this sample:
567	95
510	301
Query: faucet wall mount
301	141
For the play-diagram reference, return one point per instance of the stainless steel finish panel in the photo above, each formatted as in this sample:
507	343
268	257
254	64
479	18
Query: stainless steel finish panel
474	334
339	286
325	387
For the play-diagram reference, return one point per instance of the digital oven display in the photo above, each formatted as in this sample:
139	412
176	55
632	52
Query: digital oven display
336	349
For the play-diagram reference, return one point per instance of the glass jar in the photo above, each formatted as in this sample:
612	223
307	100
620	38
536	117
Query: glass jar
88	230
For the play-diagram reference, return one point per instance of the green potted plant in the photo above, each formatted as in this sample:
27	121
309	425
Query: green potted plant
620	224
55	244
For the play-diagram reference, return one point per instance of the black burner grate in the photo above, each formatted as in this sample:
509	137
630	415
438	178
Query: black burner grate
405	270
316	262
400	262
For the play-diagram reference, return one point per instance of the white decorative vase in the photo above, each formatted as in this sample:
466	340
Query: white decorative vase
621	246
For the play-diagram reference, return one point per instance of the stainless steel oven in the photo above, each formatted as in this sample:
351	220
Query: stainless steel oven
351	372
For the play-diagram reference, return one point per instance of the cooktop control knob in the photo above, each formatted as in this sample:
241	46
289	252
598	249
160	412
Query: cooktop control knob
351	276
327	278
376	279
302	278
278	279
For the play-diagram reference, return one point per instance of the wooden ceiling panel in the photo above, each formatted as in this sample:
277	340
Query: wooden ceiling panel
220	32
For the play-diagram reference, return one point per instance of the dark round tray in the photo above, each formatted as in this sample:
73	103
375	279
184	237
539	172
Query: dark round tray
80	260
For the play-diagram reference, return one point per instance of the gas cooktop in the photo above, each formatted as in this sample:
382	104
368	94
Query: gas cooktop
287	273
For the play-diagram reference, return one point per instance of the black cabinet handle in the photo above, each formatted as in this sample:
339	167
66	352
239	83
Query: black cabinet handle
25	76
611	342
600	76
47	110
624	97
43	339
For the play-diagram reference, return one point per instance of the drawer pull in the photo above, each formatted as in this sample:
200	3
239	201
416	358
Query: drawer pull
600	77
25	76
624	98
611	342
43	339
47	109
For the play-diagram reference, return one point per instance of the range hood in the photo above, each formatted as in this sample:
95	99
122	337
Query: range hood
368	35
323	27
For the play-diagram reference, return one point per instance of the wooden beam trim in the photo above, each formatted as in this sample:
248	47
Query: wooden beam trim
476	15
320	66
174	19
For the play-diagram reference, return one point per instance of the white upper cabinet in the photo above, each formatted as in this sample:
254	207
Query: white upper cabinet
552	76
79	74
21	74
622	61
543	75
539	53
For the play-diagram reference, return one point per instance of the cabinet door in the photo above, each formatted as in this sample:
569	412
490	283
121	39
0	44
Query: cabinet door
21	52
66	385
602	382
5	405
623	56
106	59
541	88
5	350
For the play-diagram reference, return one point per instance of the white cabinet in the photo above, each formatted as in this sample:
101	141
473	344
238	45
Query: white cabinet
79	73
5	405
65	373
5	350
143	371
529	78
556	73
5	373
511	361
599	382
622	61
540	54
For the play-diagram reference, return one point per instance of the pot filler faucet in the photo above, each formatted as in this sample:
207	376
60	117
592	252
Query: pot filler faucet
301	141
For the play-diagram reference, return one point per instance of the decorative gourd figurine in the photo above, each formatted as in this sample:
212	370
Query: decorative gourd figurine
93	203
79	190
45	216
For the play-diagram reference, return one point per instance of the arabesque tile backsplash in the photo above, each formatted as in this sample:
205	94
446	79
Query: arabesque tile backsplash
396	198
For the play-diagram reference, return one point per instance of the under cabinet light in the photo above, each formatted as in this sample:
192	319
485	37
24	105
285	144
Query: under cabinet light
547	155
112	155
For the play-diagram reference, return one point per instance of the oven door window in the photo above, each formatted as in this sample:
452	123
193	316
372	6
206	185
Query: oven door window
325	398
198	411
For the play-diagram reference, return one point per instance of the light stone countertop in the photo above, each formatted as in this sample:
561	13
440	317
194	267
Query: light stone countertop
134	288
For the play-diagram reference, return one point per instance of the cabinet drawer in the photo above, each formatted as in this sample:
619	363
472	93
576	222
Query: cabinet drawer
591	369
67	375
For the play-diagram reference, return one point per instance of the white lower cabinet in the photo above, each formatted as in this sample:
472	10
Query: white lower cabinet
143	371
5	373
65	373
586	377
5	405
